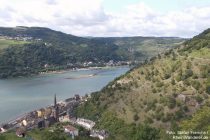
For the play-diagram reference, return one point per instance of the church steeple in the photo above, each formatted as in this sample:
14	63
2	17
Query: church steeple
55	101
55	109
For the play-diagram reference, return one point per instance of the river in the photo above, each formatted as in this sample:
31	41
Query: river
21	95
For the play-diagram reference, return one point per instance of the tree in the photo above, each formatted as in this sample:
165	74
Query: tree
145	132
208	89
208	86
56	135
171	102
2	137
173	81
136	117
199	99
199	122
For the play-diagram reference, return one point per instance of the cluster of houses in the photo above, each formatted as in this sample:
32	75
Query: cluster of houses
58	113
110	63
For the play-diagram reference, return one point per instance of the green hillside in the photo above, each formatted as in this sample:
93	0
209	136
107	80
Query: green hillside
170	92
58	50
148	46
5	43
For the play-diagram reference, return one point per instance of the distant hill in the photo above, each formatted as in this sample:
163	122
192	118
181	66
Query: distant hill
148	46
169	92
40	49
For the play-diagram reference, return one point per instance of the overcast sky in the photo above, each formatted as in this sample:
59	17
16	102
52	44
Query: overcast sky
182	18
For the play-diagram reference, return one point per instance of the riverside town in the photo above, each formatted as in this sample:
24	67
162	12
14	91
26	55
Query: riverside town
60	112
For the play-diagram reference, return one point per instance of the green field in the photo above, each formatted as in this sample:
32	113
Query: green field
4	43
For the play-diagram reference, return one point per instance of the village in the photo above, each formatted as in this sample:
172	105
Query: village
60	112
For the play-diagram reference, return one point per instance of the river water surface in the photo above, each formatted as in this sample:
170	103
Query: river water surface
21	95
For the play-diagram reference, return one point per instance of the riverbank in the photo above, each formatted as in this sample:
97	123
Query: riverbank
79	69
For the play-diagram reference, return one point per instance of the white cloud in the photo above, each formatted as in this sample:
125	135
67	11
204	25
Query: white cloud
88	18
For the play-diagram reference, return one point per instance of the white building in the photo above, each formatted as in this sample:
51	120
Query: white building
87	124
101	134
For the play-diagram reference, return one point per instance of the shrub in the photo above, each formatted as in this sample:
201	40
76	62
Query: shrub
151	105
199	99
136	117
169	116
186	82
149	120
179	114
188	73
171	102
208	86
178	78
196	85
195	76
159	115
208	89
167	75
188	65
145	102
159	84
173	81
154	90
159	109
185	108
175	95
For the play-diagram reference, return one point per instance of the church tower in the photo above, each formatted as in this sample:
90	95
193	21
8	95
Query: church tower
55	101
55	109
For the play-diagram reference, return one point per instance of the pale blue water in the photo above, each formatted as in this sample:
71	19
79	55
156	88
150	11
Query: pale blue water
21	95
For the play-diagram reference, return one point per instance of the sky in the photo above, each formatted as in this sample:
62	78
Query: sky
103	18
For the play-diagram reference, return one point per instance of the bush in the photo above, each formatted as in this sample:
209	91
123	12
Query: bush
188	73
136	117
208	86
196	85
159	116
173	81
186	82
199	99
188	65
151	105
167	75
159	84
154	90
179	114
208	89
169	116
195	76
178	78
171	102
148	120
185	108
147	133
